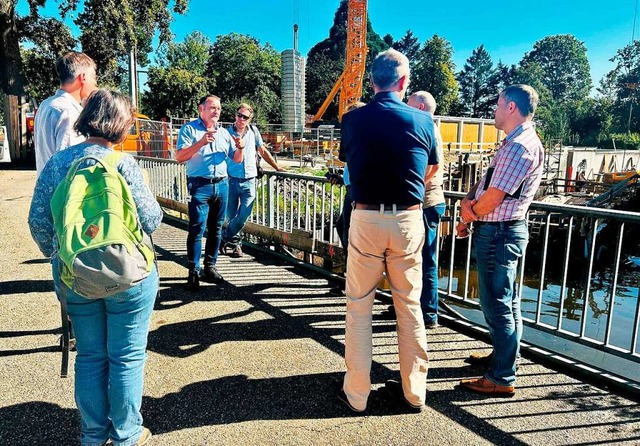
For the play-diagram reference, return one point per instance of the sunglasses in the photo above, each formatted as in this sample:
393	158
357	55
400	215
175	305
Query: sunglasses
243	117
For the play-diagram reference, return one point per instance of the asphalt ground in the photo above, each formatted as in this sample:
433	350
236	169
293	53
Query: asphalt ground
257	361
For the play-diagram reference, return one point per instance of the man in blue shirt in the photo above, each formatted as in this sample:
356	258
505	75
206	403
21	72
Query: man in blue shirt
387	146
242	178
205	147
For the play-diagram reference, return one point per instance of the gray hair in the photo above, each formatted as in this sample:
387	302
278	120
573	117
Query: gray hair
524	96
388	67
72	64
107	114
427	99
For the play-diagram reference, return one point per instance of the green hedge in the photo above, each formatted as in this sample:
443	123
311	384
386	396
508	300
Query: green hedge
623	141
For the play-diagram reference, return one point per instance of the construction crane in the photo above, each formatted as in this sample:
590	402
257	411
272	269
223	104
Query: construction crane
350	81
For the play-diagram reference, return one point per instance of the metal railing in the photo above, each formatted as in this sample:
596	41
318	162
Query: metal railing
288	202
578	280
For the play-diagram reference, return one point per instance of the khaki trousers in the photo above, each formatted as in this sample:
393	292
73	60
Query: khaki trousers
380	241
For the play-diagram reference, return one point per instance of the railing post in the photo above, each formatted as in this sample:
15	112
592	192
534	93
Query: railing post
271	201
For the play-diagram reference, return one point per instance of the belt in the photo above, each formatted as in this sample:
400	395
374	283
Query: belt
497	223
213	180
387	207
241	180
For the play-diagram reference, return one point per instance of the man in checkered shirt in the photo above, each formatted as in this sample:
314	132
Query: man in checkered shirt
497	206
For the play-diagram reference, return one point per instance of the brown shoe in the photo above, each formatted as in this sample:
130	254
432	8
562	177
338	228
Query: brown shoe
145	437
483	385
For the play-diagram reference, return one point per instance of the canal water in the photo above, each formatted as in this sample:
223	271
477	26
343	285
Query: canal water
600	306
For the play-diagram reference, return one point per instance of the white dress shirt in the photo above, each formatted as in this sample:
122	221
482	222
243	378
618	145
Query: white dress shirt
53	126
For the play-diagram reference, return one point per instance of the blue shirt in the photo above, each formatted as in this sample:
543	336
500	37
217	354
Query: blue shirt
247	168
345	176
210	160
387	146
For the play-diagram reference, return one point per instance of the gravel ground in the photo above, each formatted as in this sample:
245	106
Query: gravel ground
256	361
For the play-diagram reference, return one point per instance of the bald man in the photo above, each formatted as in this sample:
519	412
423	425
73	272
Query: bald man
432	209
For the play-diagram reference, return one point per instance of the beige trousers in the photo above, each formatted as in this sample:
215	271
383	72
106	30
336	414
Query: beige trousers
380	241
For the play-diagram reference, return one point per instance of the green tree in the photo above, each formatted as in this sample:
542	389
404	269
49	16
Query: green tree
173	92
192	54
11	72
326	61
409	45
564	67
621	86
240	69
322	70
502	77
591	120
435	72
112	28
477	93
109	30
50	39
178	81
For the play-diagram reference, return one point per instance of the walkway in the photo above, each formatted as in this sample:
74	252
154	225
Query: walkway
256	362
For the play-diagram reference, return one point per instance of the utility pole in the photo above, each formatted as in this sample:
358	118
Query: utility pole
133	77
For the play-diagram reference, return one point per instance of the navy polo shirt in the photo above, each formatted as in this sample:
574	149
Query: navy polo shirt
387	146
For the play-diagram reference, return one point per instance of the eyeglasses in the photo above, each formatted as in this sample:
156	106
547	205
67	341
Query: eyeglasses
243	117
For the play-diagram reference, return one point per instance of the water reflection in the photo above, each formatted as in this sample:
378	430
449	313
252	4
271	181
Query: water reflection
598	305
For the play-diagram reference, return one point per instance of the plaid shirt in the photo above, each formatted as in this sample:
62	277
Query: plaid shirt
516	170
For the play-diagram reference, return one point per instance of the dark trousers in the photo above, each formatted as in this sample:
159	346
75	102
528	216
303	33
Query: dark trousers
207	209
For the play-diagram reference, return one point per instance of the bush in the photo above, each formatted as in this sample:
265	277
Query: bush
623	141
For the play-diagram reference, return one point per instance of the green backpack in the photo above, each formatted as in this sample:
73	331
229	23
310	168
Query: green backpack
102	249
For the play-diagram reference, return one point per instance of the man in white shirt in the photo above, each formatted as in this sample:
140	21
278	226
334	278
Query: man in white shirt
57	114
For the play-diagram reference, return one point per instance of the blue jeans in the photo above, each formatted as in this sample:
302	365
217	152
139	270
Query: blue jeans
498	250
429	298
242	194
207	209
344	220
111	341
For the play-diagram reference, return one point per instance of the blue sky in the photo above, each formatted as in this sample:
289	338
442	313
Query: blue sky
507	29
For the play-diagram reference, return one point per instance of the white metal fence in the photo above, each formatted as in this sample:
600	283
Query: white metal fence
579	279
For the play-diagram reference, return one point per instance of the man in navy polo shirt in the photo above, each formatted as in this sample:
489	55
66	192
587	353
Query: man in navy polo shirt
387	146
205	147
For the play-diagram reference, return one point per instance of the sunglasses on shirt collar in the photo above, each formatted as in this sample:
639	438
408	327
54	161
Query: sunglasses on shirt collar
243	117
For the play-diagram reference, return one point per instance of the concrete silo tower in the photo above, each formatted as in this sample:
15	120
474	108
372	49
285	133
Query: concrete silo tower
293	87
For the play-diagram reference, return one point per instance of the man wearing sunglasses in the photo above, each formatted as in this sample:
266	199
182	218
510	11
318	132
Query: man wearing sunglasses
242	178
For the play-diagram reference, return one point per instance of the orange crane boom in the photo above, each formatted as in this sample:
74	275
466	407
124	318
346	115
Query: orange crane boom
350	81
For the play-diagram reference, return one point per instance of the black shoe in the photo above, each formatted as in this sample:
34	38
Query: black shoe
480	359
343	397
340	291
483	360
431	325
394	389
236	252
223	248
211	275
389	313
193	281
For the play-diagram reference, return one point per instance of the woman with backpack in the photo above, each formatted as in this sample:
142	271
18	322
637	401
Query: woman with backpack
110	304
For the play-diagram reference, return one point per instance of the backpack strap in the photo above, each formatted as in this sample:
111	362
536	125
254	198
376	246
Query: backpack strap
109	161
113	158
